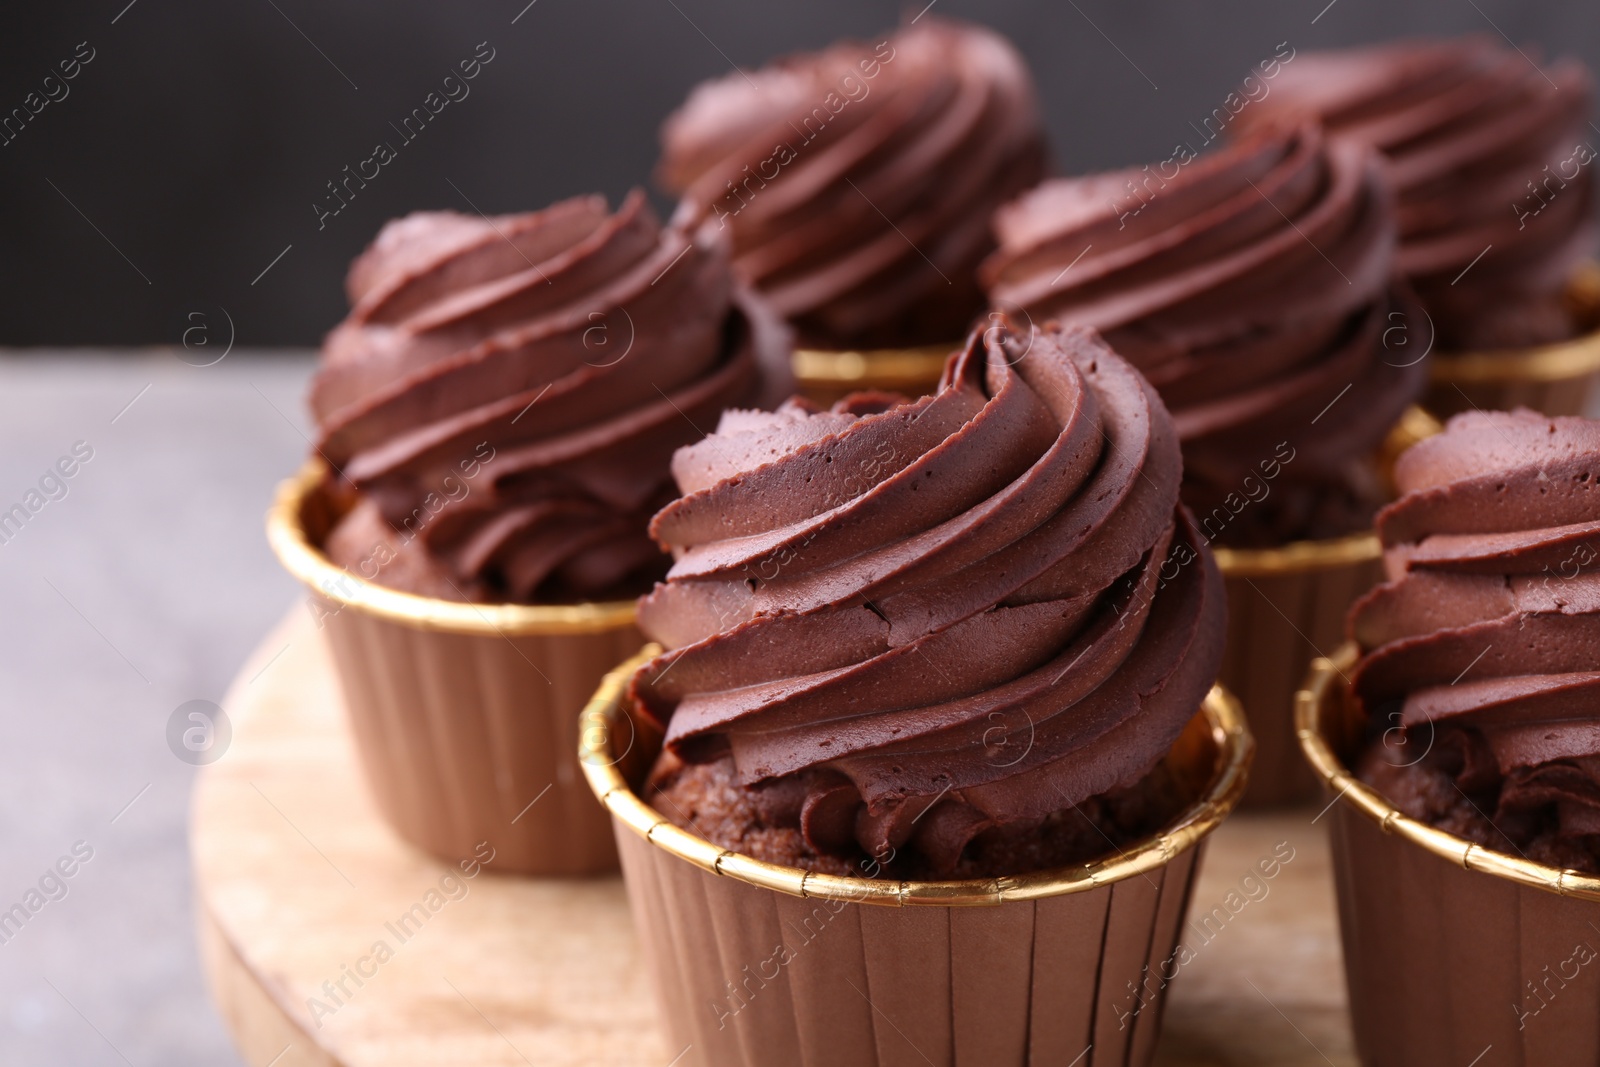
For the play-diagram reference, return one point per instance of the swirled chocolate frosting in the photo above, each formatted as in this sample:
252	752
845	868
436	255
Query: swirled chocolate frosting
506	393
1252	287
913	629
1480	659
1491	156
858	181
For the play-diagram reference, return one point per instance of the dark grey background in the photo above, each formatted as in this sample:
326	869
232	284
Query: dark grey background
201	134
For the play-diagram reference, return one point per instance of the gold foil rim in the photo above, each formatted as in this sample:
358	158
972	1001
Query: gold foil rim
876	368
286	534
1326	682
1416	424
1297	557
1577	358
1574	358
1223	716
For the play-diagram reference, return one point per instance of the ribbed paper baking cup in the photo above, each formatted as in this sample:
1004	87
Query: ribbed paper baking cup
758	963
464	715
1454	953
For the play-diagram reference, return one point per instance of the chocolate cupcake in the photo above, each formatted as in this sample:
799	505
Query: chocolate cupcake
1481	655
957	641
494	420
857	183
861	595
564	353
1464	748
1490	156
1252	286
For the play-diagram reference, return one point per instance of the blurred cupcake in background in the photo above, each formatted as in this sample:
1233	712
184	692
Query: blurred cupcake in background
494	423
857	183
1492	159
1253	290
1253	287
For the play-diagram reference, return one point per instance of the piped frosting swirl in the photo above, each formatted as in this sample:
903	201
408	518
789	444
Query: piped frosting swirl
1491	156
1252	287
858	181
908	623
506	392
1481	654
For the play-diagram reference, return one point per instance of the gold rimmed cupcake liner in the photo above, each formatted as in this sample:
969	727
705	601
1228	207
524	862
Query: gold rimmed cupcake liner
759	963
1556	379
825	376
302	515
464	715
1285	606
1327	726
1450	947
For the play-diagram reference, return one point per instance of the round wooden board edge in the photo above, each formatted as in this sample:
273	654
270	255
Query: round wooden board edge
263	1027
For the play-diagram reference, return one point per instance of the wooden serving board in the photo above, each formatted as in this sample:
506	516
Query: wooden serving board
299	883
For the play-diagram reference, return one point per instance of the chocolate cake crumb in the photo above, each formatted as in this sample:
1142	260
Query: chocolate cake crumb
1439	789
707	799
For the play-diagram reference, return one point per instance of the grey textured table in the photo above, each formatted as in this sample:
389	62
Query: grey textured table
143	587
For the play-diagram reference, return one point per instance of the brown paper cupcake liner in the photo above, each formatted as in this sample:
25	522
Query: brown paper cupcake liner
1557	379
757	963
464	715
1286	606
825	376
1454	954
